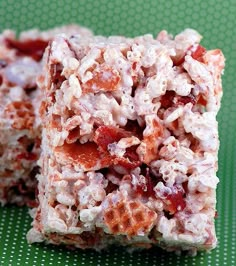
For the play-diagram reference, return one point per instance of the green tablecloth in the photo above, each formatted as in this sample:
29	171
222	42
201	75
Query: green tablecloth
216	21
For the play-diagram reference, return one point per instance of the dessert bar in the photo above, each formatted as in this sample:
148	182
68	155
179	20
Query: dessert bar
20	125
129	142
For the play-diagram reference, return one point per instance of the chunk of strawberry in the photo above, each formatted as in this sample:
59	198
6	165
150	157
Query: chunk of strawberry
86	155
172	99
104	78
185	99
32	48
198	53
175	200
105	135
146	189
27	156
167	99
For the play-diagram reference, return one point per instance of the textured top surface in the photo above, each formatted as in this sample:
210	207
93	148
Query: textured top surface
215	20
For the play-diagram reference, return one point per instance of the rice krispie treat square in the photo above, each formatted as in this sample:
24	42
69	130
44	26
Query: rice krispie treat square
130	142
20	125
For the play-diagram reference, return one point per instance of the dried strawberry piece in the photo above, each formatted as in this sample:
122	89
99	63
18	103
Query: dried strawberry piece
104	78
185	186
150	184
105	135
147	189
27	156
130	159
176	201
111	187
186	99
134	127
198	53
178	60
201	100
86	154
126	163
57	77
134	65
131	153
167	99
32	48
172	99
73	135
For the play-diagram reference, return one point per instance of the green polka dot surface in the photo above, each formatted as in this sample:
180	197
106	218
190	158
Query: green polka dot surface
215	20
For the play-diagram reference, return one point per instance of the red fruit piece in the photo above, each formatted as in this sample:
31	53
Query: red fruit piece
146	189
32	48
27	156
167	99
126	163
172	99
134	128
198	53
178	60
186	99
201	100
150	184
105	135
131	153
176	200
86	155
104	78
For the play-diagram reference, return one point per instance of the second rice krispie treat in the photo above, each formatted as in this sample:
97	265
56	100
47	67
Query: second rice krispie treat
130	142
20	126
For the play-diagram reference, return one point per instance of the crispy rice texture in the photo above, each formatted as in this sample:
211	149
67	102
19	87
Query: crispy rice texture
129	142
20	125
